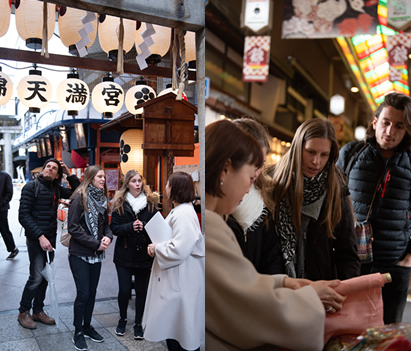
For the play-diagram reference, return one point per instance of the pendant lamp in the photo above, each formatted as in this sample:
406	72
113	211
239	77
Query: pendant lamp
137	95
5	13
69	24
73	94
107	97
34	91
29	21
162	40
108	35
169	89
190	41
131	153
6	88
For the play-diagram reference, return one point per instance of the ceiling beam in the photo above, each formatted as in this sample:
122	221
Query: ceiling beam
181	14
85	63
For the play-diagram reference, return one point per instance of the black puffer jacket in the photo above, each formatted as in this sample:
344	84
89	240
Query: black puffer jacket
82	242
131	246
38	215
390	214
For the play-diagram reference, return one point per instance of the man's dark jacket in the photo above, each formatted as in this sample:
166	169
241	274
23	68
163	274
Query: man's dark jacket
38	215
6	191
390	214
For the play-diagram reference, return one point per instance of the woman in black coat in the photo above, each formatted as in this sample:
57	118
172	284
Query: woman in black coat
133	207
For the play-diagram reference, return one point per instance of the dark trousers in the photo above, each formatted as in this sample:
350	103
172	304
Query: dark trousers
141	280
35	290
174	345
5	231
394	294
86	277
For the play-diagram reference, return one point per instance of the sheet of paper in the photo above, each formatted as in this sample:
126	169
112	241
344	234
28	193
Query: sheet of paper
157	229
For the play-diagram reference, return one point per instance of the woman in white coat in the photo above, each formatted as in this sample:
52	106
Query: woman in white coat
175	300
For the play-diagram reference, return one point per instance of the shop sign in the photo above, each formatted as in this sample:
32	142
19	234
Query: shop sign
398	47
256	62
399	14
257	14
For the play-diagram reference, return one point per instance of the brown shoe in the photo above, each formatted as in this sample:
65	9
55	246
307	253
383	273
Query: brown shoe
26	321
43	318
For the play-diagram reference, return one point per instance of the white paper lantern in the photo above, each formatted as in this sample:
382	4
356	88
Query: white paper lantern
131	153
6	88
360	133
337	104
137	95
29	21
109	28
107	97
162	40
190	42
69	24
73	94
5	12
34	91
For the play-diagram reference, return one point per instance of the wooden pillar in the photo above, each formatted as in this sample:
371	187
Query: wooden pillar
149	169
168	163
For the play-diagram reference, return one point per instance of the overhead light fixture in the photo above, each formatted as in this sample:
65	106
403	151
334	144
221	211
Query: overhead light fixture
73	94
5	13
6	88
355	89
107	97
137	95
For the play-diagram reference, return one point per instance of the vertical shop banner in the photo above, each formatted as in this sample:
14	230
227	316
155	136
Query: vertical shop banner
398	47
256	62
329	18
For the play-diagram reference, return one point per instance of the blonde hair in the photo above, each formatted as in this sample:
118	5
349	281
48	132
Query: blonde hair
89	175
288	177
120	197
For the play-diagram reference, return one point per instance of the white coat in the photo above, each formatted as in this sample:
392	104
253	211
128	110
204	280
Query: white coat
175	299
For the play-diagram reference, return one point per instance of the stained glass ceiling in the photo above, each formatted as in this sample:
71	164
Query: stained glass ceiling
368	58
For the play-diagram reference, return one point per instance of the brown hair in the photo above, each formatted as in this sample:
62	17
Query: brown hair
399	102
120	197
89	175
181	188
225	141
288	177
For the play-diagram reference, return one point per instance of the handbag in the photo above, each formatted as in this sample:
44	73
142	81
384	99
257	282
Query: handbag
65	236
363	234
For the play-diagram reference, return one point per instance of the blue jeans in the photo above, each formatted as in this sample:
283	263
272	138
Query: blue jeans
141	279
34	292
394	294
86	277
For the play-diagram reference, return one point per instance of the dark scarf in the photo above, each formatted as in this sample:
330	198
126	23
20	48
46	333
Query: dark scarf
96	203
314	188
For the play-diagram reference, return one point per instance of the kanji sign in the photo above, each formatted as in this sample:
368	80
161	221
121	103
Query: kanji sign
256	61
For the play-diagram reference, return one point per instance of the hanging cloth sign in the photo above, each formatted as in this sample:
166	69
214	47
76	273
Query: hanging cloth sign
398	47
256	61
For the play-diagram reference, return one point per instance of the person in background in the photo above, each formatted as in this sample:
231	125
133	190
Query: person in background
383	166
90	237
312	207
245	309
38	216
6	194
175	299
252	221
132	207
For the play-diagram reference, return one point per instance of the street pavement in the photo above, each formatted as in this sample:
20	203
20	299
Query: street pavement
13	277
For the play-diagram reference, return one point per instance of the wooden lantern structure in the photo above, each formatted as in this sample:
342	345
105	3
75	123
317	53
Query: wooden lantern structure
168	131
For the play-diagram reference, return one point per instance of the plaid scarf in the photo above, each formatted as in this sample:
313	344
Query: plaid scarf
96	203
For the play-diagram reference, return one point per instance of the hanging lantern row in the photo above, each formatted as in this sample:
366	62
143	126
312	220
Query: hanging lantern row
35	91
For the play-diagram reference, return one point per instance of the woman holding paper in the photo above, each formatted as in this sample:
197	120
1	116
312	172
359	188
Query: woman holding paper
133	206
175	299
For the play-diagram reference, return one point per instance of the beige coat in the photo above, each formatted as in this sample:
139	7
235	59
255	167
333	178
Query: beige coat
175	298
246	310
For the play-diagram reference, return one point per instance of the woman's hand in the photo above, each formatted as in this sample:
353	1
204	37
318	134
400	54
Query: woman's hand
137	225
293	283
331	300
151	250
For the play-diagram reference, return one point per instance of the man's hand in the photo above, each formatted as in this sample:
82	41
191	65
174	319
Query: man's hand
66	171
406	262
45	244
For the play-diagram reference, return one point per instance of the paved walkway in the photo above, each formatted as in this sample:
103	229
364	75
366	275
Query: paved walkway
13	277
